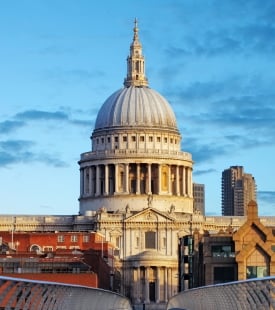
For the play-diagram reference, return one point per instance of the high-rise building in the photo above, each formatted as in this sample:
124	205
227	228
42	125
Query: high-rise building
199	198
238	189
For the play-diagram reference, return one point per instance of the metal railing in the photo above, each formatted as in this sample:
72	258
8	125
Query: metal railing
242	295
24	294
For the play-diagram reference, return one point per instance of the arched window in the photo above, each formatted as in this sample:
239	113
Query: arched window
35	248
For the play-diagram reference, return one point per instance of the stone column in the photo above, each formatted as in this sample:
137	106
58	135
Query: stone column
165	284
138	285
134	292
187	180
169	180
138	179
97	181
169	282
158	286
183	181
116	178
146	288
106	187
191	183
91	181
160	176
126	189
81	182
149	178
177	181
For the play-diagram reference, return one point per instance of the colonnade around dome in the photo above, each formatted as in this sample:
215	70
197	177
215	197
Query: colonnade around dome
153	179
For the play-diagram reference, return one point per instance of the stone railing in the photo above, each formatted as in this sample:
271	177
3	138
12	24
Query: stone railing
244	295
26	294
124	153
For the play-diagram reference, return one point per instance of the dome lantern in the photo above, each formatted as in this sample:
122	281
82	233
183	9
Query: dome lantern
135	63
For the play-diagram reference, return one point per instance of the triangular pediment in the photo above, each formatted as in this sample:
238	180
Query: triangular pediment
150	215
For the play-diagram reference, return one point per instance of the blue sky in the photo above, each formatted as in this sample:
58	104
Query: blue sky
213	60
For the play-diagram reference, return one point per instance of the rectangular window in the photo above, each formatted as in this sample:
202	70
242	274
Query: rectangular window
165	140
61	247
150	138
150	240
117	242
74	238
109	139
86	238
116	139
47	249
102	140
256	272
141	138
158	139
124	138
60	238
133	138
224	274
222	251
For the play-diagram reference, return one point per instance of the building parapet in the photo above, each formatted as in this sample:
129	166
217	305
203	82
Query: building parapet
132	153
85	223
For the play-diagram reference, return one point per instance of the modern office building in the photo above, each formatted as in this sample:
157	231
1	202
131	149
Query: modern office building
238	189
199	198
229	254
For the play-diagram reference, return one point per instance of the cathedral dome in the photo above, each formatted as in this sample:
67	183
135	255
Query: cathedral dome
136	107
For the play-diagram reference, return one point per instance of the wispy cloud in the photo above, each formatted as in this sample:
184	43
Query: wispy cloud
19	151
73	75
203	172
202	152
16	151
15	145
41	115
267	197
266	202
25	118
10	126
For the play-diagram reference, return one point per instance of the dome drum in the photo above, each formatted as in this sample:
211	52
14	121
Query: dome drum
135	139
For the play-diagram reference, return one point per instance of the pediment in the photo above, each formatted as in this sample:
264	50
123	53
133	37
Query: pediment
150	215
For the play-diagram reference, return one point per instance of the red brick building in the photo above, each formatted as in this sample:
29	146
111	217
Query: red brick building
82	258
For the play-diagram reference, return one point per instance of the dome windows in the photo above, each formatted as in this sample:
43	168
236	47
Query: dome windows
142	141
